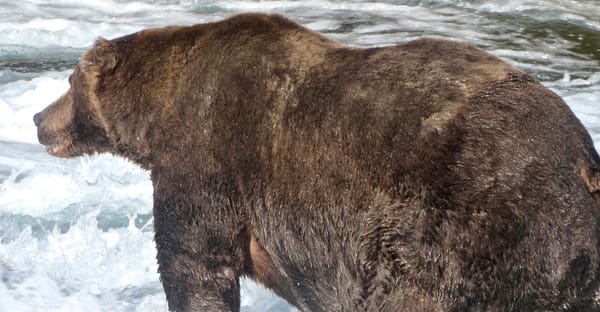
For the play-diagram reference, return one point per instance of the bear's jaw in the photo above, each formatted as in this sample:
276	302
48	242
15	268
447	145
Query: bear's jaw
62	149
58	143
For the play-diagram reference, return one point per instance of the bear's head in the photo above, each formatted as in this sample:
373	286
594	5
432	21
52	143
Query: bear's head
75	124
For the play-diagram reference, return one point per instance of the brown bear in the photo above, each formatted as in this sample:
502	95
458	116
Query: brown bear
427	176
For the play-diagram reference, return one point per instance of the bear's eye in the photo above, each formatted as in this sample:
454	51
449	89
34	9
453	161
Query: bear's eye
70	76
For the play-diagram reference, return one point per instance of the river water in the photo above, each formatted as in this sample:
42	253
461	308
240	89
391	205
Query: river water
76	235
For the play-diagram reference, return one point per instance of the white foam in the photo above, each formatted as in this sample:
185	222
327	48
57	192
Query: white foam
582	96
78	23
46	33
88	182
20	100
86	269
82	269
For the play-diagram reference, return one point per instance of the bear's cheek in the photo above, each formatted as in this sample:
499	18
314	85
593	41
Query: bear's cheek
88	137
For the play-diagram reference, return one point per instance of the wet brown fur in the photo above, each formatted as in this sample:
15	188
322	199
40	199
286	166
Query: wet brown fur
428	176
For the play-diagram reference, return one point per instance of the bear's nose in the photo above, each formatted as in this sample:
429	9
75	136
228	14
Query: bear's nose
37	119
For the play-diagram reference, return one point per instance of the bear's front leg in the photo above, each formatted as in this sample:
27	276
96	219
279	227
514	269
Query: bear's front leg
199	255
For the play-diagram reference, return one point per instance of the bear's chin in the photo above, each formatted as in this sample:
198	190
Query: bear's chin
60	149
63	149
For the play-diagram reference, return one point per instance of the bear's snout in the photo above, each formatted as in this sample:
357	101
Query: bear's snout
53	128
65	136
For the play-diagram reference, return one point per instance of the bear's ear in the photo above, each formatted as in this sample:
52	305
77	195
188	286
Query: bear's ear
101	59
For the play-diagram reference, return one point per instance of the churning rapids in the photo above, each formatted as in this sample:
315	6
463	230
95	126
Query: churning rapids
76	235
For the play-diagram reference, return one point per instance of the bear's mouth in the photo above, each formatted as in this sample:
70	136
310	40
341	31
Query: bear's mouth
61	149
